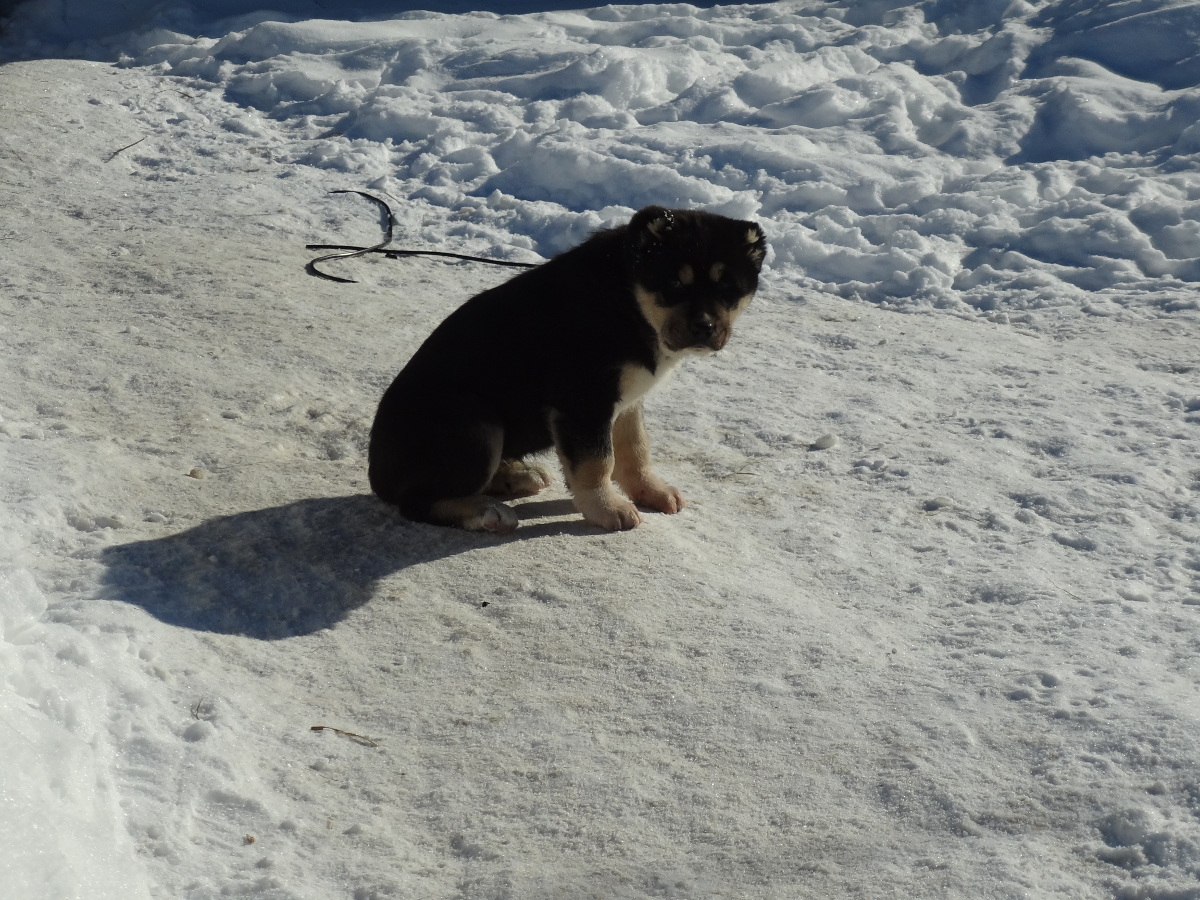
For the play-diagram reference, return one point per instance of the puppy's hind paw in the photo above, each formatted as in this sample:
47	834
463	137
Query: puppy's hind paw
498	519
476	513
517	478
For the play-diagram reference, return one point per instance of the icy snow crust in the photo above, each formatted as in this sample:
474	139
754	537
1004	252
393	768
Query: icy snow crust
928	627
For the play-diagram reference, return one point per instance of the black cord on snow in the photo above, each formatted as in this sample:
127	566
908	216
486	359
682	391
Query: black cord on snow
349	252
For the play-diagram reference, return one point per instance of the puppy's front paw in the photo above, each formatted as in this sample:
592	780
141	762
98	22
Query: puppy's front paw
656	494
606	509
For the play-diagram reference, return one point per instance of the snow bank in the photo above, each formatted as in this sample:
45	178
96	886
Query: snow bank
913	156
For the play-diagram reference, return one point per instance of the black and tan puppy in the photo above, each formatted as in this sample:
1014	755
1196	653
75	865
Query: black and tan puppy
561	356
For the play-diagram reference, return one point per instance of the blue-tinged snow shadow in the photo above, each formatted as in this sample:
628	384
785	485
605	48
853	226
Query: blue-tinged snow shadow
71	29
286	570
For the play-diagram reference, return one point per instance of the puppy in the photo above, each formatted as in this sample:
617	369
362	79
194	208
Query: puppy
561	356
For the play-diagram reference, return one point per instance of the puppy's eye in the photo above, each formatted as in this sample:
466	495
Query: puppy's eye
674	284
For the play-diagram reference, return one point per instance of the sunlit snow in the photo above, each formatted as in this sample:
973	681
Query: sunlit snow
928	627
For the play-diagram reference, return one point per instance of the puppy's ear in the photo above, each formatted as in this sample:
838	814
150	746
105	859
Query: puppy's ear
650	226
756	243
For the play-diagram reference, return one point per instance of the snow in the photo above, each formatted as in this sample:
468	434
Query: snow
928	625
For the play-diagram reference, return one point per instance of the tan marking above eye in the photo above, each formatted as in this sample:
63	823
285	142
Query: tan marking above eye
753	236
717	270
686	275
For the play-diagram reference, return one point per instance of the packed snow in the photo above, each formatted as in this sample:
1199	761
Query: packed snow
928	626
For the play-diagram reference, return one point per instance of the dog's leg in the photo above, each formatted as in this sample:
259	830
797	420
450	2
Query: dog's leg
517	478
591	486
587	460
444	473
632	469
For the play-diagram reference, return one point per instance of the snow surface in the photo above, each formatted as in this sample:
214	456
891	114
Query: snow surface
928	627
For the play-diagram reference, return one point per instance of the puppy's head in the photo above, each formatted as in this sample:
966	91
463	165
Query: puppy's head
693	273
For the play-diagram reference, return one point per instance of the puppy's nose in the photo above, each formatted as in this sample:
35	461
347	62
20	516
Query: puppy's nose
703	327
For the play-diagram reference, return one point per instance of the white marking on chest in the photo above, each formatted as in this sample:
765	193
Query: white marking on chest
636	381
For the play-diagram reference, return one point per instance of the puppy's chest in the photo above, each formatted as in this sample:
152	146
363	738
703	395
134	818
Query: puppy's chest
636	381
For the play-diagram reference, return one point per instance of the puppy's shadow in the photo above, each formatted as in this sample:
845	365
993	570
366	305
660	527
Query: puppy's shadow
536	509
277	572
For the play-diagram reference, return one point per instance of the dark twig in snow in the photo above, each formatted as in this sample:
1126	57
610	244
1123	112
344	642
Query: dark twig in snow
357	738
113	155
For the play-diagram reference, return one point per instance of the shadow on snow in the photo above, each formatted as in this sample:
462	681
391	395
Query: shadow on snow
293	569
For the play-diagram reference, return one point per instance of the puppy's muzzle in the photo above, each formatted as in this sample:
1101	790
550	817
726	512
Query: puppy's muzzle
703	331
706	331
